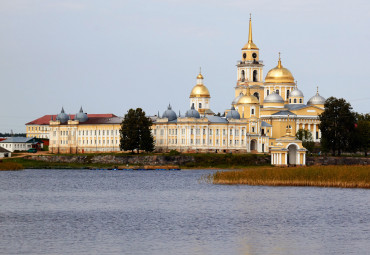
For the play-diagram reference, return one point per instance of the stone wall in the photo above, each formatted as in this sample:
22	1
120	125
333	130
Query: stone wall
336	161
119	160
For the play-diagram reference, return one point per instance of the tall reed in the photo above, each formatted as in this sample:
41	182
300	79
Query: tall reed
321	176
4	166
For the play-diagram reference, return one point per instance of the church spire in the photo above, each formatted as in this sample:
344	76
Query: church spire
279	62
250	44
250	29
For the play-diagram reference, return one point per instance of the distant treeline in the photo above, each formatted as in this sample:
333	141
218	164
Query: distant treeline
14	135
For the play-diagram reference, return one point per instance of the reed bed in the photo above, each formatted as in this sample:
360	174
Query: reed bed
320	176
6	166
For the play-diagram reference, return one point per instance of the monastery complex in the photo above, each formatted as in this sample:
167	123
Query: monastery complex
263	118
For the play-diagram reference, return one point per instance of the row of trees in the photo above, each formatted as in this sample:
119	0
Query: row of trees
342	130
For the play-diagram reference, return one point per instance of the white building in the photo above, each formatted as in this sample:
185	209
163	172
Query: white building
19	143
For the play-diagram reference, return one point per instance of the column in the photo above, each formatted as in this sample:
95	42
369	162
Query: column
304	159
298	159
314	132
286	158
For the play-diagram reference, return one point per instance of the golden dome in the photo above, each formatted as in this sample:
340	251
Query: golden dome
279	74
200	90
200	76
248	98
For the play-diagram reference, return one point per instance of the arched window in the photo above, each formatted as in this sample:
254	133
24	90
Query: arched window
252	111
255	73
277	91
257	95
287	93
200	105
300	100
295	100
243	75
268	92
290	100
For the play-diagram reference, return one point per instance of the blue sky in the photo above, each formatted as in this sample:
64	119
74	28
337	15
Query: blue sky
110	56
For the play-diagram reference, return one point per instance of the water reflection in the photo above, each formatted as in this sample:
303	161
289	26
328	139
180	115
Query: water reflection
79	212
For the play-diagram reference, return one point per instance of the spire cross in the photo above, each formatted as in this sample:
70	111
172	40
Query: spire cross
317	89
250	16
200	69
279	62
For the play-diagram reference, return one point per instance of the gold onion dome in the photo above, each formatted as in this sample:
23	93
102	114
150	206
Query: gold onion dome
250	44
279	74
199	90
248	98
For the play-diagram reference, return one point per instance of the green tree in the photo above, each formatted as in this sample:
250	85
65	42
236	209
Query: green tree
136	132
337	126
363	133
306	137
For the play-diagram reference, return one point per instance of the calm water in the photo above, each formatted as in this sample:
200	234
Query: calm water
110	212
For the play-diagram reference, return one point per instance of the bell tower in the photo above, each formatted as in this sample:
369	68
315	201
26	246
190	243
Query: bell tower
250	69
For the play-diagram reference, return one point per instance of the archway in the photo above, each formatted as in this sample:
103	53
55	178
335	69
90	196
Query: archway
253	145
255	75
257	95
292	154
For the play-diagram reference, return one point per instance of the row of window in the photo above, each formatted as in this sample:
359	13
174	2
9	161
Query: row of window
89	132
39	128
111	142
198	141
235	132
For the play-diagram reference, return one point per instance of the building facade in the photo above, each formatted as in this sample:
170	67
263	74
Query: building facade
264	117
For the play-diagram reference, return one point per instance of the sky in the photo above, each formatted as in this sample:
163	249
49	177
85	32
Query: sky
112	55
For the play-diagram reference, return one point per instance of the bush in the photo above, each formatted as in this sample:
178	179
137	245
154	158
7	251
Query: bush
174	153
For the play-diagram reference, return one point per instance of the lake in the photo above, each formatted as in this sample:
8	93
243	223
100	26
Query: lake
172	212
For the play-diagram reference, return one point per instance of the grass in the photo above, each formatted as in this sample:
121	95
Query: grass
212	160
6	166
320	176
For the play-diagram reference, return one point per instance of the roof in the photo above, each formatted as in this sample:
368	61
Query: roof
103	120
3	150
295	106
44	120
265	124
18	140
284	113
216	119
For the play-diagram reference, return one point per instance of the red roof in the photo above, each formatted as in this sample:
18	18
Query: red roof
44	120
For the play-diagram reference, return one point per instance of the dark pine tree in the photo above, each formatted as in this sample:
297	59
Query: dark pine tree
136	132
337	126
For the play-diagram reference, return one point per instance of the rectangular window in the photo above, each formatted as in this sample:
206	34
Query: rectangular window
252	129
224	131
217	133
231	132
204	131
191	131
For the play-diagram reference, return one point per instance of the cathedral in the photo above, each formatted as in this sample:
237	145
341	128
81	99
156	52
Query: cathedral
264	117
